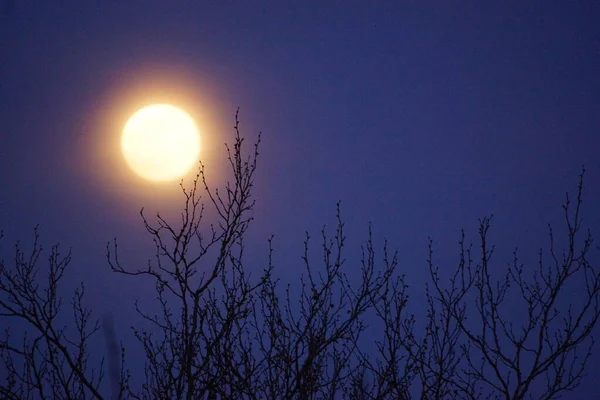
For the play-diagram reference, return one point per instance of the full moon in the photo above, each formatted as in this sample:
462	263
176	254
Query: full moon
160	142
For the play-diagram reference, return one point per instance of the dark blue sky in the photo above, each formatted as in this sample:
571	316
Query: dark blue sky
419	116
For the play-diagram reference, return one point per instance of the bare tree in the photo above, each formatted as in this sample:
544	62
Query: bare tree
544	352
47	360
309	349
221	334
229	330
204	292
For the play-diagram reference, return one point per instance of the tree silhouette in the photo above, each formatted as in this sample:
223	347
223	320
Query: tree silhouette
221	333
48	360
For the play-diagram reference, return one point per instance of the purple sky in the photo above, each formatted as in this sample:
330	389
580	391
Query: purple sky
419	116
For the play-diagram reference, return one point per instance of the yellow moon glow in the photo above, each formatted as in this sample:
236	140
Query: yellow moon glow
160	142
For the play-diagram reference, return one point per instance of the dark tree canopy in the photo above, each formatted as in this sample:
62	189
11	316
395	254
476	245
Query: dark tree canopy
223	333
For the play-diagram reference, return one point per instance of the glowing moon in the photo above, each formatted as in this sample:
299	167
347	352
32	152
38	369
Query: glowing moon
160	142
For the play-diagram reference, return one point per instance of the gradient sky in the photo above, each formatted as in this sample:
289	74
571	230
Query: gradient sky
419	116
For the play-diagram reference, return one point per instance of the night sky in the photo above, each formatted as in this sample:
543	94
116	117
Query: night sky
419	116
